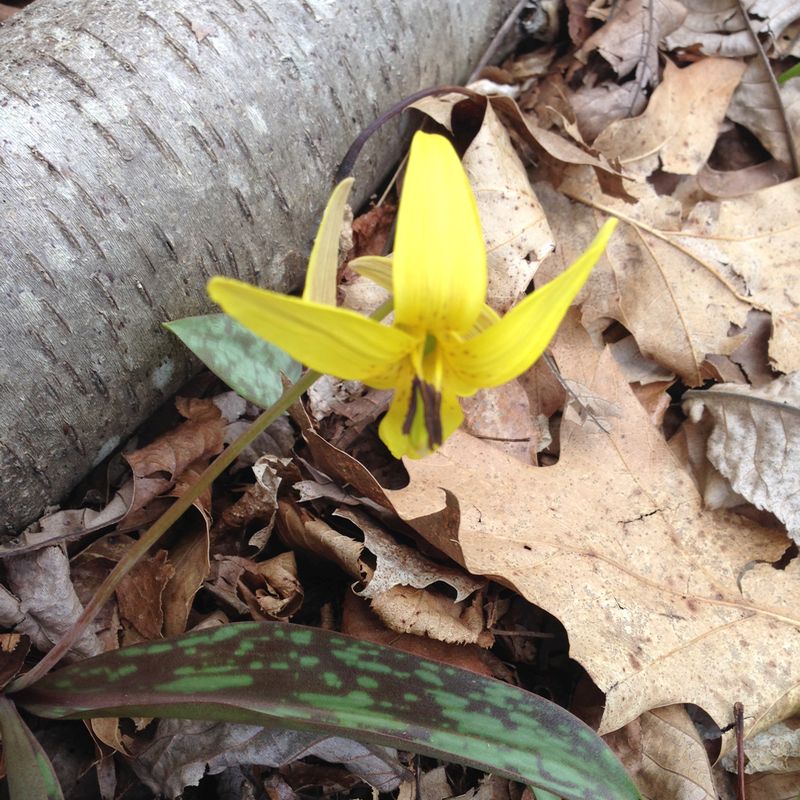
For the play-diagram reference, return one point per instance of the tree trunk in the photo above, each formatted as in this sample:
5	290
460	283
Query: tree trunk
145	146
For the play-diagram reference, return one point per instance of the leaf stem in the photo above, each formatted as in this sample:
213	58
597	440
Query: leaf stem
171	516
163	524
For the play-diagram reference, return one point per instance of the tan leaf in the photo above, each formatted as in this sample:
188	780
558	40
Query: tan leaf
739	182
776	749
755	443
770	786
190	559
268	590
755	106
630	38
665	756
400	565
271	588
716	27
182	751
371	231
678	289
514	225
199	438
408	610
679	128
47	602
502	417
359	621
596	107
139	594
614	542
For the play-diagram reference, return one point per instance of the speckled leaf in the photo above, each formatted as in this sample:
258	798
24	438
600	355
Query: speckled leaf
289	676
29	771
248	364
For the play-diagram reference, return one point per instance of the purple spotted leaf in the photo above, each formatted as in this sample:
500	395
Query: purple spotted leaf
289	676
29	771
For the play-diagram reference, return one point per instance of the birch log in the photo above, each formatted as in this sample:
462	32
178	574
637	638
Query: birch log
148	144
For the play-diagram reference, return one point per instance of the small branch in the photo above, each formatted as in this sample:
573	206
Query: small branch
488	54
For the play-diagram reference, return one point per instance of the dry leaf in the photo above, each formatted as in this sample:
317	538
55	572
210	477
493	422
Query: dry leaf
185	750
514	225
665	756
614	542
399	565
596	107
635	367
359	621
423	613
433	784
48	604
267	589
739	182
755	106
139	594
679	289
769	786
164	460
755	443
502	417
629	40
371	231
679	128
716	27
13	649
271	588
190	559
776	749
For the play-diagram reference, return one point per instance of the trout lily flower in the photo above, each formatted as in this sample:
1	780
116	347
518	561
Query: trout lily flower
444	342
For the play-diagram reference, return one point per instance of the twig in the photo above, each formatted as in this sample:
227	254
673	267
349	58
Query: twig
738	714
169	518
488	54
790	138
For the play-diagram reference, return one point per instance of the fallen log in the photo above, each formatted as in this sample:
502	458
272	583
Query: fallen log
147	146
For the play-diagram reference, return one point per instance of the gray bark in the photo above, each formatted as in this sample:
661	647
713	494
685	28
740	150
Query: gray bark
146	145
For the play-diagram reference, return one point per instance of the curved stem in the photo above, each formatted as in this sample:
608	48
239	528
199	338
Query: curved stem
170	517
162	525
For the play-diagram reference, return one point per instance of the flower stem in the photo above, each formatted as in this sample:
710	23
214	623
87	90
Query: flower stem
170	517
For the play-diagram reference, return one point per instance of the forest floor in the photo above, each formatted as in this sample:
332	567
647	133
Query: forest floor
615	530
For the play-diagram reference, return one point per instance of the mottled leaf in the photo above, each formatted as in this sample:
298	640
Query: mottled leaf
245	362
289	676
29	771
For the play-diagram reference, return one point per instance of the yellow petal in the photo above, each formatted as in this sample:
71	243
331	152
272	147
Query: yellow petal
324	261
405	430
377	268
486	319
439	259
509	347
328	339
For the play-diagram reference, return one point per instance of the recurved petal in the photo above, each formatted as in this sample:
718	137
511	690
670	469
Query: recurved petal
439	258
328	339
324	261
506	349
377	268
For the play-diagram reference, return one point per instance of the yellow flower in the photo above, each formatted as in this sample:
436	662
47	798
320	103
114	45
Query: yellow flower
445	342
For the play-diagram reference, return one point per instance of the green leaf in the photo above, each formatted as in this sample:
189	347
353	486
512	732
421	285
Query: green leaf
788	74
29	771
289	676
248	364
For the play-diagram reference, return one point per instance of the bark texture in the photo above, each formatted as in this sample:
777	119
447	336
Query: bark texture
146	145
